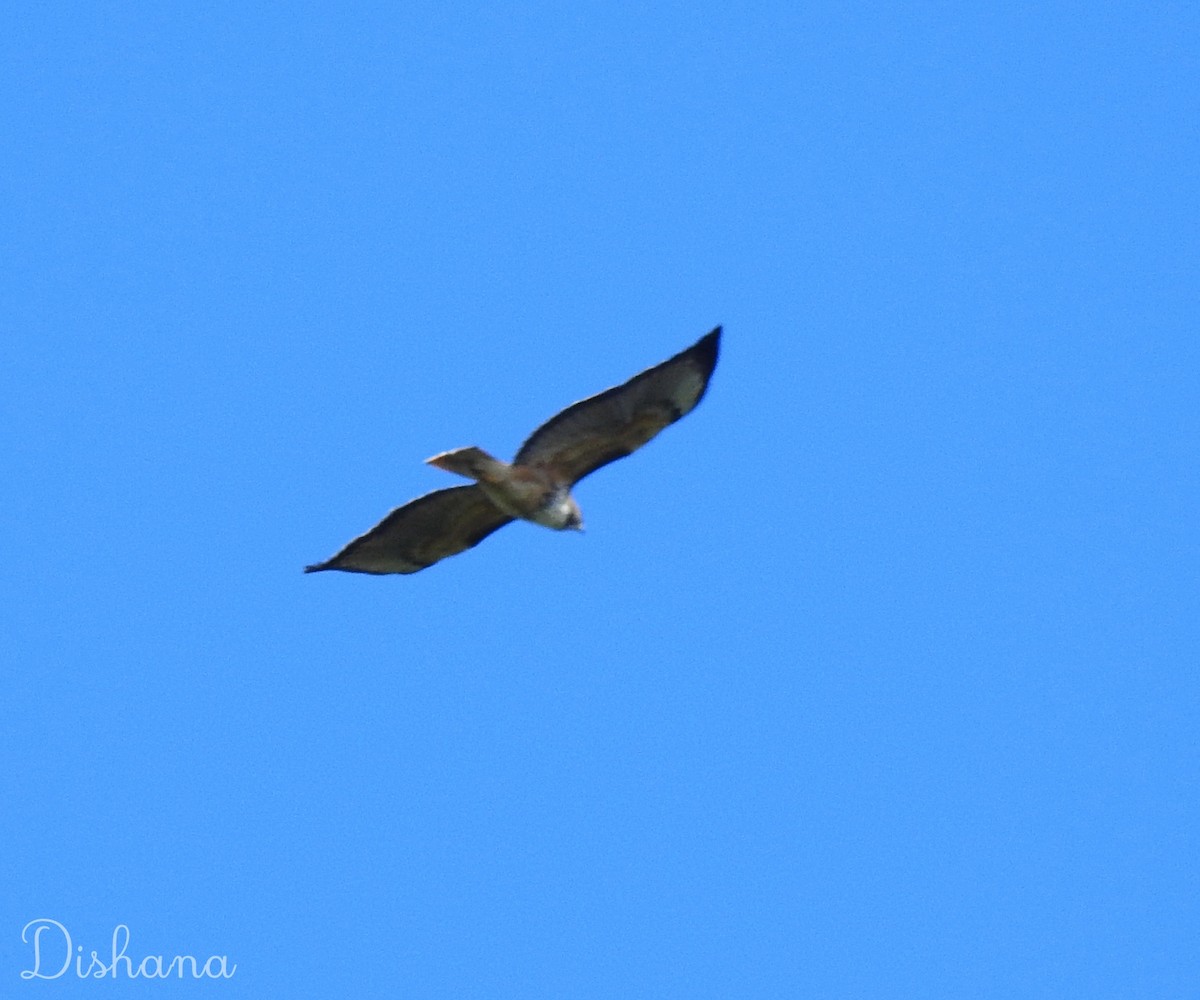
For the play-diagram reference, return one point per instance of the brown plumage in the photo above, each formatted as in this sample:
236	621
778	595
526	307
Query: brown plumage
536	485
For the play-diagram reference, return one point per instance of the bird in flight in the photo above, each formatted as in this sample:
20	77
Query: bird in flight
536	485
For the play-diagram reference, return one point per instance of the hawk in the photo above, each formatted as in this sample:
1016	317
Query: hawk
536	485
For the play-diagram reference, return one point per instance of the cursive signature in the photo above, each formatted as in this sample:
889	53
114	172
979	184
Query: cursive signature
50	939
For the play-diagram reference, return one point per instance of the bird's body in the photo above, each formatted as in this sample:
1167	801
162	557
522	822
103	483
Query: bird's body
536	485
530	492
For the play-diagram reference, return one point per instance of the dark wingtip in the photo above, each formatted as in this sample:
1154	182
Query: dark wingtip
711	341
317	567
706	349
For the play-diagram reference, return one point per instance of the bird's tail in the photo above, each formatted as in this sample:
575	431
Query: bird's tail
473	463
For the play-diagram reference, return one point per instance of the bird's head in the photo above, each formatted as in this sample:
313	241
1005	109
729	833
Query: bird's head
574	519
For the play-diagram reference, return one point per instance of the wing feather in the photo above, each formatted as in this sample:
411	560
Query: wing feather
612	424
420	533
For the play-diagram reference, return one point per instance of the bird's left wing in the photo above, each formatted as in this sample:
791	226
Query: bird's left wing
420	533
612	424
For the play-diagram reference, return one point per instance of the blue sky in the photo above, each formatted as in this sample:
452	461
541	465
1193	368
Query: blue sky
873	677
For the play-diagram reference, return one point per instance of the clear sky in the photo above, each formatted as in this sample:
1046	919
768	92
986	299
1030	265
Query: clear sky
876	676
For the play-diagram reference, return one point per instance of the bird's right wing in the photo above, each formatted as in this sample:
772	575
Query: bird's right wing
612	424
420	533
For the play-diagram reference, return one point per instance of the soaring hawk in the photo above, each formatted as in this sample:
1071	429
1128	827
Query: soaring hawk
536	485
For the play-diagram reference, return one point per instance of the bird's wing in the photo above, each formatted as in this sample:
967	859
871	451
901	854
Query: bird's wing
420	533
614	423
